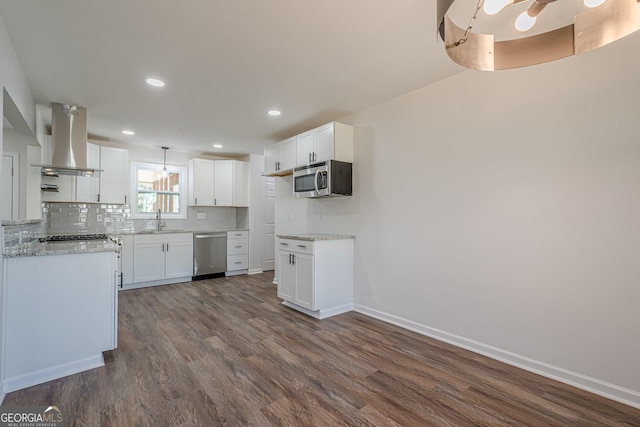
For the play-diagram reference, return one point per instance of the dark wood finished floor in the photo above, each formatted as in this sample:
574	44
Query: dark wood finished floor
226	352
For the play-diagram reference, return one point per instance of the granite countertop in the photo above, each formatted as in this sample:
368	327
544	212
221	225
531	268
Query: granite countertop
312	237
15	222
217	230
37	248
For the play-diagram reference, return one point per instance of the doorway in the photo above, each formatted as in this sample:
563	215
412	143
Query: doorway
268	223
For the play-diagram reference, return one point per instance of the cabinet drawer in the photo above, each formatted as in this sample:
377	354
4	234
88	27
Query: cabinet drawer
237	246
237	262
292	245
239	234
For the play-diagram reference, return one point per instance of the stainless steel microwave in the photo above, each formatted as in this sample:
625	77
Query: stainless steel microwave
326	179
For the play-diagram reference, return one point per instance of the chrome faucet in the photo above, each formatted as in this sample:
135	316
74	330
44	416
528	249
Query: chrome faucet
159	222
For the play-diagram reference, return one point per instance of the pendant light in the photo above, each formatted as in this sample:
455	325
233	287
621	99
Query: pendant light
164	168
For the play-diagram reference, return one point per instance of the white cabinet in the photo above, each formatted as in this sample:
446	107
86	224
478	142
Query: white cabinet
88	188
237	252
49	303
333	141
280	158
109	186
316	277
162	257
114	178
218	183
305	148
201	182
271	159
223	183
126	260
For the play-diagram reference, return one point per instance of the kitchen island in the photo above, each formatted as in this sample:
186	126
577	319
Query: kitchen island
315	273
59	310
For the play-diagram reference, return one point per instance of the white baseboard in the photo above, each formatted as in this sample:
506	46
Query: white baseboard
593	385
255	271
321	314
42	376
234	273
275	280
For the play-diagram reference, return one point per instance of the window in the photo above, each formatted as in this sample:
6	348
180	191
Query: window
154	188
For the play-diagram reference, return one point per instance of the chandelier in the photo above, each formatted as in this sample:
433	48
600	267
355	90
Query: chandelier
602	22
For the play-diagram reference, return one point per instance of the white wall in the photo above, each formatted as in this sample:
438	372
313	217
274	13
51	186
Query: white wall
501	211
17	143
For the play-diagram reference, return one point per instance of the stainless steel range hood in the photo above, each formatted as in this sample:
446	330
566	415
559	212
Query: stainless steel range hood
68	142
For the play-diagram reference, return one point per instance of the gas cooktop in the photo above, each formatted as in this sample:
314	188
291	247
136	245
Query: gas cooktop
74	238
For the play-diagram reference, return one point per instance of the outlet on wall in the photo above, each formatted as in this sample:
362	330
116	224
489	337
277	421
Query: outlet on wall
99	218
202	215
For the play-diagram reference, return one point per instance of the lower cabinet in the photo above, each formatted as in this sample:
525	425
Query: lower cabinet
162	258
237	252
316	277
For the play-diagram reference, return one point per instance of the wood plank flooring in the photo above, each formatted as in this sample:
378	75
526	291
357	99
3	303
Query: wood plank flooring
226	352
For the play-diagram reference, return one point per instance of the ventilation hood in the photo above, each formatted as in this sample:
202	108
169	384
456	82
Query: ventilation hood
68	142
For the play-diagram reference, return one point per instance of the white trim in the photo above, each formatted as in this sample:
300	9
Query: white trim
182	170
161	282
49	374
321	314
584	382
234	272
255	271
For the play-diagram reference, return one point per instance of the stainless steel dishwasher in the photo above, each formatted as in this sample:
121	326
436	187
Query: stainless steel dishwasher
209	255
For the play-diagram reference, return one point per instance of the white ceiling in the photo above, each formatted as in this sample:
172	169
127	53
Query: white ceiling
225	63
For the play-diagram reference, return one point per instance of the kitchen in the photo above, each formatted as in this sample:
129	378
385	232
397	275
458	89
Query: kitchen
502	226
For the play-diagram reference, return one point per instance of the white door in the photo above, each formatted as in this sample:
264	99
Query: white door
87	188
286	271
324	143
303	282
149	260
223	182
202	182
304	148
179	256
9	191
268	223
114	180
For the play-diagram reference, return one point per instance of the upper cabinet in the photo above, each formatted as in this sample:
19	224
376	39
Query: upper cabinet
114	180
218	183
333	141
109	186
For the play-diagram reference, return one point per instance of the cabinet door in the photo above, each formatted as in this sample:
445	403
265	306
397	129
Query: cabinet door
324	143
285	276
201	174
240	183
303	282
304	148
223	183
87	188
288	154
66	189
114	180
179	259
149	259
271	158
126	254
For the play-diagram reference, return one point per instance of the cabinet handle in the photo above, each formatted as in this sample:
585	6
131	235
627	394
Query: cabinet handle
293	259
238	262
314	156
238	247
284	244
196	200
215	201
167	247
163	247
309	156
302	246
125	199
289	258
98	197
238	234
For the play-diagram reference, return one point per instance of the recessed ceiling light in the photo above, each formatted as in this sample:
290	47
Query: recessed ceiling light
274	112
154	82
128	132
217	145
